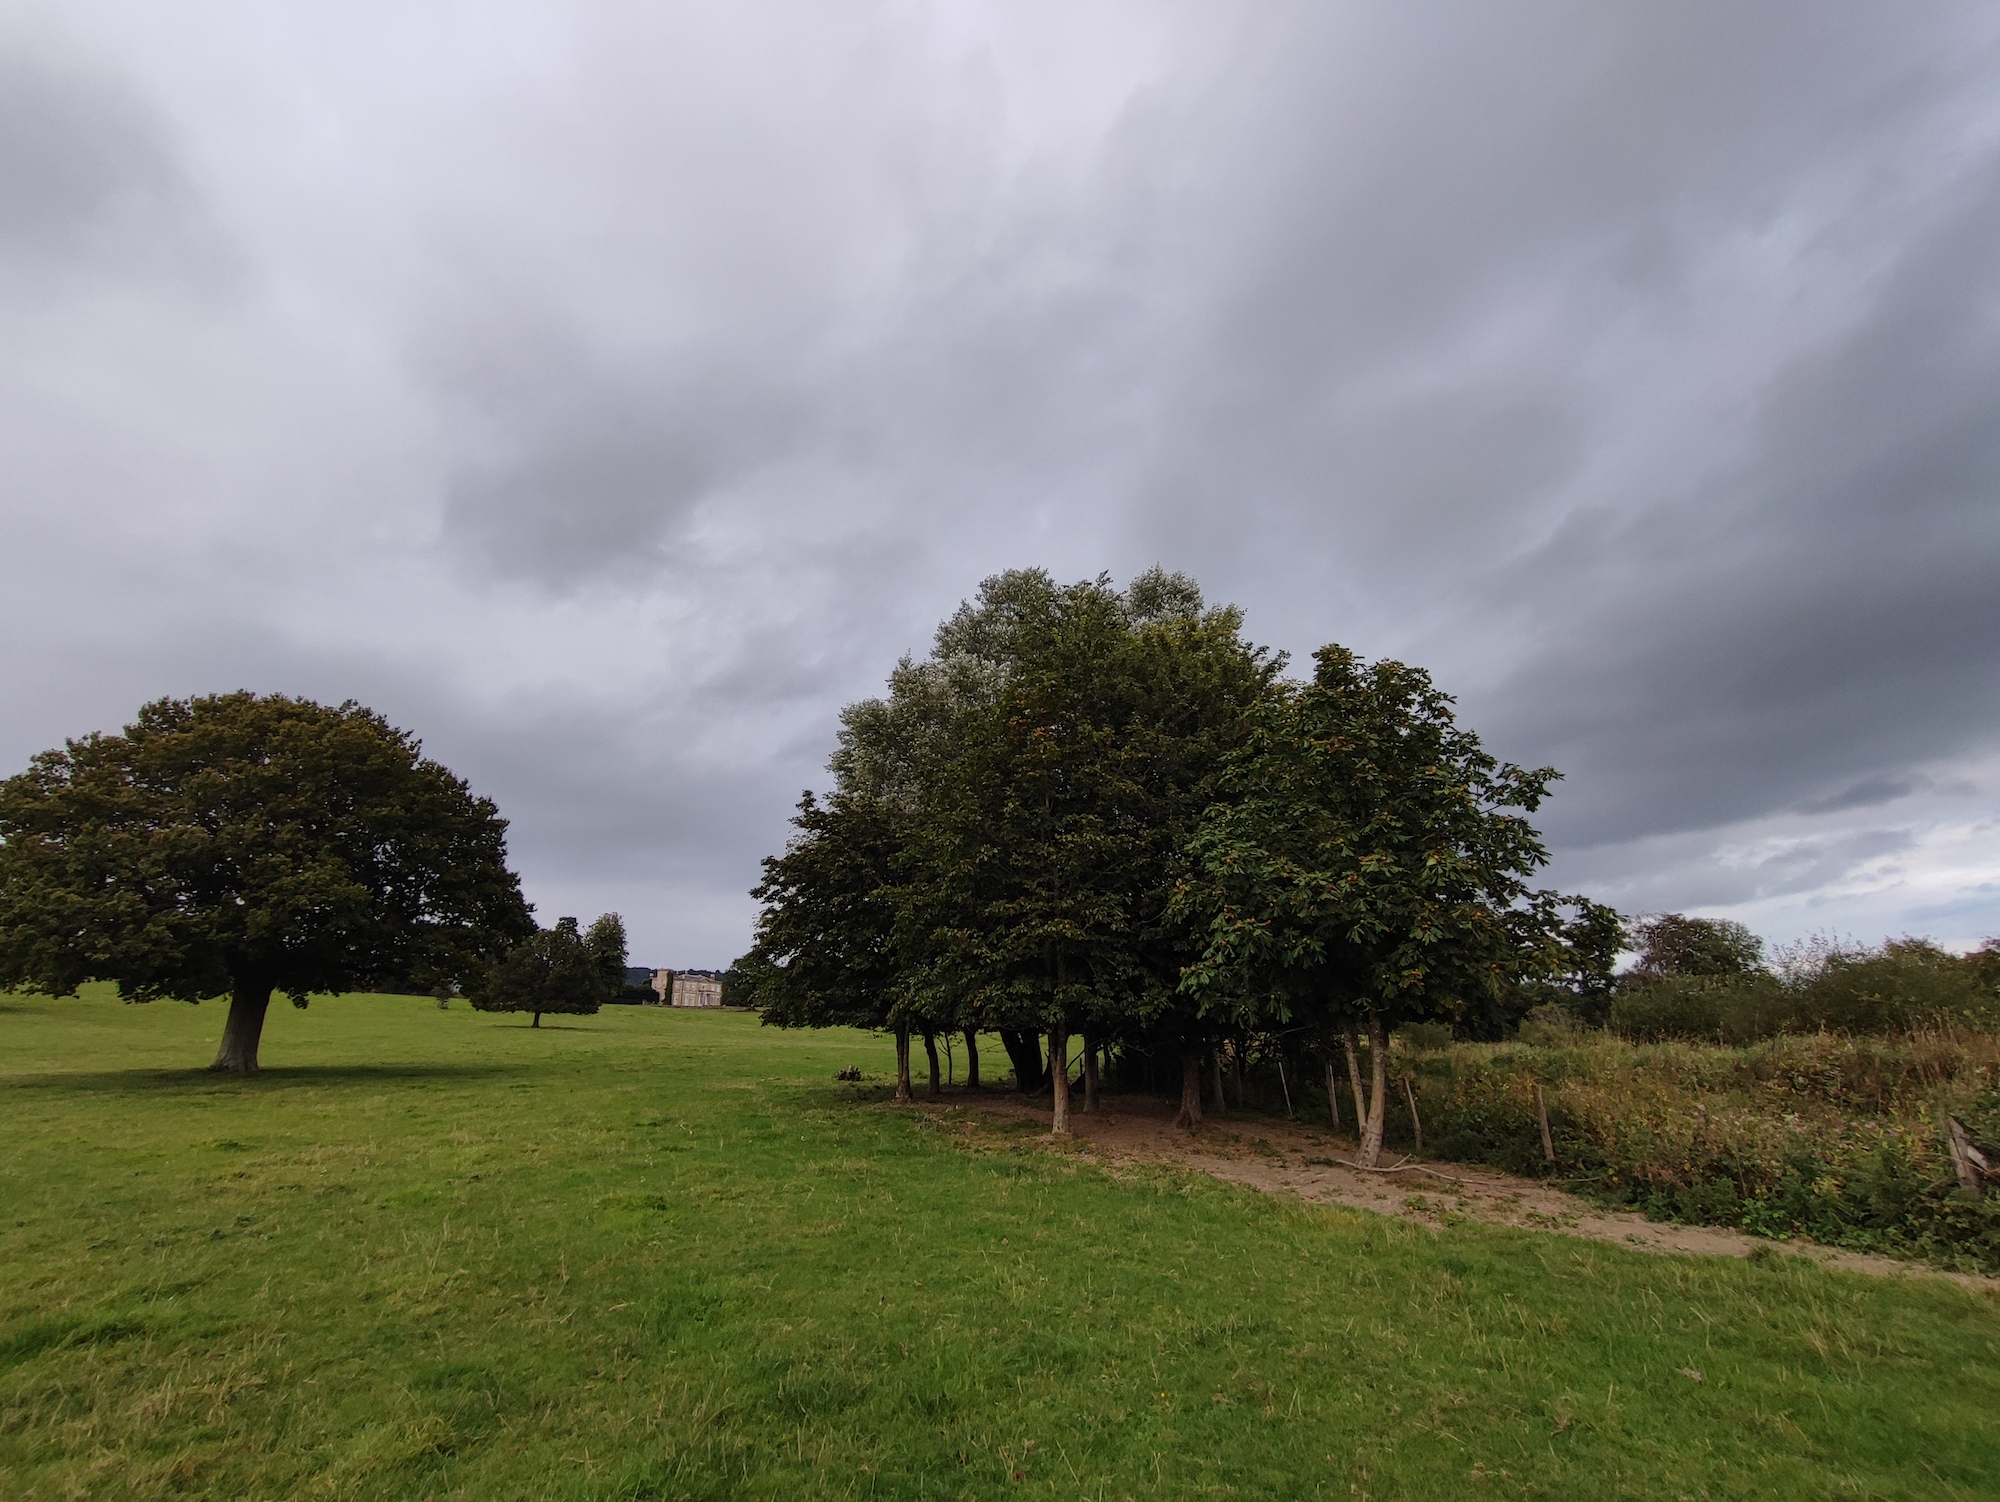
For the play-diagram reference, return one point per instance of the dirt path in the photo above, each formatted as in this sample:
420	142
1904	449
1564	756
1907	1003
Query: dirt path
1281	1157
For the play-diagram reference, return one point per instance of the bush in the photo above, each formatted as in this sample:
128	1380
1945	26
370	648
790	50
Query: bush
1715	1008
1905	985
1549	1026
1425	1037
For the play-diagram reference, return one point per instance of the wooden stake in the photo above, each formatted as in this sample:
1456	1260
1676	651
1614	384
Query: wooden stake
1332	1096
1285	1087
1416	1121
1542	1112
1967	1159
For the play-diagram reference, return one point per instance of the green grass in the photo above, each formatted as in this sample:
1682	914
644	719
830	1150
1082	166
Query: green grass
654	1254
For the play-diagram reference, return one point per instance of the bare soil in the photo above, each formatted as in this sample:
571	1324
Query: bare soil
1281	1157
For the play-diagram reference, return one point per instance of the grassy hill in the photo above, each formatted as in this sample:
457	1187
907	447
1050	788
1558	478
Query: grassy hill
659	1255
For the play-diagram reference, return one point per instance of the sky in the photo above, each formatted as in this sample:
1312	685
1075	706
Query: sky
608	393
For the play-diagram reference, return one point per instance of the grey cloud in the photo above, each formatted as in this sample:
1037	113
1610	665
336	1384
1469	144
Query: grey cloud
1978	903
1831	615
1870	792
1635	368
1815	864
90	179
1679	872
601	494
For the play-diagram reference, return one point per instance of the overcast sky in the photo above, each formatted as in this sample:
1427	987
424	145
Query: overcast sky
608	393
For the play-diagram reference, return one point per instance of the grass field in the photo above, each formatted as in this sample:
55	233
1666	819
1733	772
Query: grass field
659	1255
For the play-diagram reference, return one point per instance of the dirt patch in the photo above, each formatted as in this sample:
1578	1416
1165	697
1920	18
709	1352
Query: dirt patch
1282	1157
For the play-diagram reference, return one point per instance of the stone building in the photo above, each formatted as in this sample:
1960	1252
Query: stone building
688	988
697	988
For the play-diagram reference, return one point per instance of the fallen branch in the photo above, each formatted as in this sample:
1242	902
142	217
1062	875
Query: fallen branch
1404	1167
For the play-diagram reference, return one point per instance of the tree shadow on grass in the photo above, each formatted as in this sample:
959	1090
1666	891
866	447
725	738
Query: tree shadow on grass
130	1081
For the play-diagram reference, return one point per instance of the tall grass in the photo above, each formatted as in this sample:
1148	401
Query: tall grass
1835	1137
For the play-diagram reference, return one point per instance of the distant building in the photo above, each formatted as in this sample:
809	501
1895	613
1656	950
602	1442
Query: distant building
697	988
688	988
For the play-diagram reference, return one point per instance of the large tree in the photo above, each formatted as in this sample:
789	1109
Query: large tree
1028	831
248	844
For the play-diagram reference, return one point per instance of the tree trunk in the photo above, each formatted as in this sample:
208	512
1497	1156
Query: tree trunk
538	1020
1332	1095
930	1047
1190	1116
1221	1105
1236	1074
971	1059
1089	1072
1059	1077
904	1095
1024	1049
244	1027
1354	1084
1378	1092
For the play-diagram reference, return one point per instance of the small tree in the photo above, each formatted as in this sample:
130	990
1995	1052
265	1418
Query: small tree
744	982
248	844
606	941
552	970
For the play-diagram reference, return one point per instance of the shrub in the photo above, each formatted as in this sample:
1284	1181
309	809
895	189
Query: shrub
1907	983
1549	1026
1717	1008
1425	1037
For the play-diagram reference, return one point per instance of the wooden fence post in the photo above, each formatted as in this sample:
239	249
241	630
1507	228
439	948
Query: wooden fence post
1542	1114
1968	1160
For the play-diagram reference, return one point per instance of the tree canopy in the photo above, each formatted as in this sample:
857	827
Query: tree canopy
557	970
1368	865
248	844
1675	944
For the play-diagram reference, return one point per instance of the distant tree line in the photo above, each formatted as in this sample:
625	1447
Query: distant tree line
1102	812
1710	979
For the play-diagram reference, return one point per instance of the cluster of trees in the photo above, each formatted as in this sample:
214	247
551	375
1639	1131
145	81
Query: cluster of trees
1708	978
1103	812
